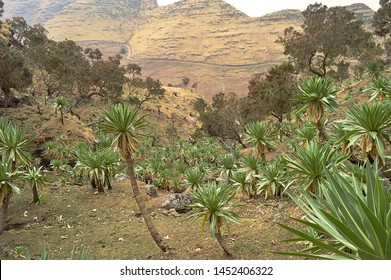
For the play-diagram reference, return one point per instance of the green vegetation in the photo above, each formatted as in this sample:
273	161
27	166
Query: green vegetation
255	149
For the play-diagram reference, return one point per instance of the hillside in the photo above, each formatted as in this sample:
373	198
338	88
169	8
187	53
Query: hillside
208	41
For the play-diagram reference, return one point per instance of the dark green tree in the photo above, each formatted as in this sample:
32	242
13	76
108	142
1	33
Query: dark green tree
222	118
382	24
328	37
185	81
382	19
134	69
154	89
1	8
271	94
14	74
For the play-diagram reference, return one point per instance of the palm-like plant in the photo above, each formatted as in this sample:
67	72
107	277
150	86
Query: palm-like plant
380	88
306	134
271	179
258	135
7	188
310	164
212	205
124	126
371	124
228	165
374	69
36	179
13	144
240	181
60	104
316	94
251	166
194	179
92	163
356	226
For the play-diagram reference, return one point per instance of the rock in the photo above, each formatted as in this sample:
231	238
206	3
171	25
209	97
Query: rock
152	192
119	178
174	213
178	202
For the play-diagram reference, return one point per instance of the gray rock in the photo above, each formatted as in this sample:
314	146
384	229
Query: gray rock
178	202
152	192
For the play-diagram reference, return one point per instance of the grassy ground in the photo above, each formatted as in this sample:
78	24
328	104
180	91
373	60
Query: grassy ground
110	227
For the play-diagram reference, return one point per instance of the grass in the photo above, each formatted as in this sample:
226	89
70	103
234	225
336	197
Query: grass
110	227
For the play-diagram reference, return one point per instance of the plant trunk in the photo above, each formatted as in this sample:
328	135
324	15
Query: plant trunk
223	244
142	207
322	131
93	183
35	194
99	185
3	213
62	117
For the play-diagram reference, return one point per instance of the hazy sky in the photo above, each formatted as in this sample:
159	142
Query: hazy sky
257	8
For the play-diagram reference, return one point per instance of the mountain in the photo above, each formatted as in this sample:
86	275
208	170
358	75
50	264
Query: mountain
208	41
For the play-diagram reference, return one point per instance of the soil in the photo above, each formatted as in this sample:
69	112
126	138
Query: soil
110	227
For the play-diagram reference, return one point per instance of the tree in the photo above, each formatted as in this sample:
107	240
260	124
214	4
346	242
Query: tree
60	104
271	94
382	19
124	127
134	69
371	124
212	204
315	95
328	38
222	118
14	73
1	8
95	54
154	91
7	188
258	135
356	223
36	179
382	24
13	144
310	163
185	81
108	77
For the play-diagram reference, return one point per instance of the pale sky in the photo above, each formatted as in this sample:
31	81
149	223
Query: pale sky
256	8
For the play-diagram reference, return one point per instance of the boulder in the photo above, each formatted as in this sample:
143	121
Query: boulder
178	202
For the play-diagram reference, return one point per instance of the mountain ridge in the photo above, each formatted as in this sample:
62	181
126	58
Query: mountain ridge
209	41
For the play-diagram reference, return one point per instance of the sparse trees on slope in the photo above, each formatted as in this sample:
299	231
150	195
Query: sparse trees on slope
124	127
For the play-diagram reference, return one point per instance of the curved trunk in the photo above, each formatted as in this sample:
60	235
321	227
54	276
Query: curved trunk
35	194
223	244
142	207
3	213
